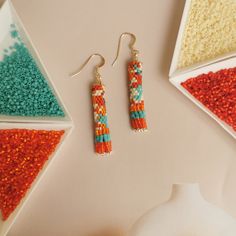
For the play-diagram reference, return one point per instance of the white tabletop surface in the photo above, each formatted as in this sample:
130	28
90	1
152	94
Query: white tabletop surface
81	193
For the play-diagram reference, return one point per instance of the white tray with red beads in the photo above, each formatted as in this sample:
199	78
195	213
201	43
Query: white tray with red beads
9	16
178	79
6	225
174	70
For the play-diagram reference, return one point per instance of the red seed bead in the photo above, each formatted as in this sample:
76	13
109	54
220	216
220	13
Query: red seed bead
23	154
216	91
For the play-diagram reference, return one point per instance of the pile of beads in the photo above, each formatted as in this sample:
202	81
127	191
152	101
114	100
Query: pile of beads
23	154
102	132
137	113
23	89
216	91
210	31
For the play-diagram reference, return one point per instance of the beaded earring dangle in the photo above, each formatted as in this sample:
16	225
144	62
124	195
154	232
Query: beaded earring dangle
137	112
103	143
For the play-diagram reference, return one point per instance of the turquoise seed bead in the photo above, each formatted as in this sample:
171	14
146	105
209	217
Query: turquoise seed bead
14	33
137	114
103	138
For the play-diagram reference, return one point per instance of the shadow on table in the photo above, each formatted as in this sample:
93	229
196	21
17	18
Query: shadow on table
171	36
108	232
1	2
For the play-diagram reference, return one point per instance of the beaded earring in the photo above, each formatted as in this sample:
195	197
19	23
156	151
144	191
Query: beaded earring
137	112
102	133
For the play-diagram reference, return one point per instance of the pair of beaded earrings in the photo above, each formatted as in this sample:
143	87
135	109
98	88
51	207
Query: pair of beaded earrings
103	143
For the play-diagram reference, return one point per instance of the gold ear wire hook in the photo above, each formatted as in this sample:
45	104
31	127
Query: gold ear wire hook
98	76
131	46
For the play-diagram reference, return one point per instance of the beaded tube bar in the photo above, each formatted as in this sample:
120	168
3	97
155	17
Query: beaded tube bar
137	113
102	133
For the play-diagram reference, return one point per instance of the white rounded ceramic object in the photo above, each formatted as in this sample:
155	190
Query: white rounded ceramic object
186	213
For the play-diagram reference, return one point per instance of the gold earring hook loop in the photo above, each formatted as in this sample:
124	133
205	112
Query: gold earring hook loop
102	63
131	46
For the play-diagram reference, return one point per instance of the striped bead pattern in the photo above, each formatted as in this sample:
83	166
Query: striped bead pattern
102	133
137	113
